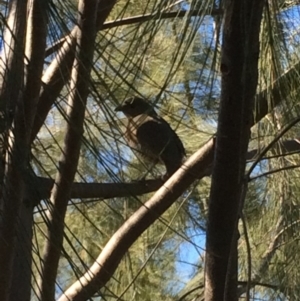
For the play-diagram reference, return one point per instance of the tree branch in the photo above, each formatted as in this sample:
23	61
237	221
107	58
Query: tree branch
58	73
140	19
39	188
54	79
35	54
34	62
60	193
11	174
108	260
239	68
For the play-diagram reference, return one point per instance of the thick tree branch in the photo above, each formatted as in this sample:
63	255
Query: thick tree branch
239	67
39	188
106	263
11	175
60	194
34	61
54	79
280	90
35	53
11	63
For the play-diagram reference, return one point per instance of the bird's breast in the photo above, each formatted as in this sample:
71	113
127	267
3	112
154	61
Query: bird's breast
136	144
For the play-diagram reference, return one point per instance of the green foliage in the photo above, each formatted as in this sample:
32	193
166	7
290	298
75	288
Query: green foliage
175	64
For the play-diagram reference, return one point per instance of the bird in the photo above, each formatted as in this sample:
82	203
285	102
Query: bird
151	135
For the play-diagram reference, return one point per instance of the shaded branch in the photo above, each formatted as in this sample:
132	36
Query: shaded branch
36	33
85	38
239	68
12	167
272	171
58	73
140	19
279	90
39	188
53	80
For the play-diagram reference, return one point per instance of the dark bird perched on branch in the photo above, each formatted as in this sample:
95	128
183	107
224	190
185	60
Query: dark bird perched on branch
151	135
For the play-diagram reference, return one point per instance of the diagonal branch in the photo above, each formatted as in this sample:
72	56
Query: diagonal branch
279	90
54	79
58	73
108	260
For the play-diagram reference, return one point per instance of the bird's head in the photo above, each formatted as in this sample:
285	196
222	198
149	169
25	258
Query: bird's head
135	106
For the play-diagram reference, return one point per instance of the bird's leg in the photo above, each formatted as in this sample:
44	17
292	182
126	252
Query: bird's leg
149	170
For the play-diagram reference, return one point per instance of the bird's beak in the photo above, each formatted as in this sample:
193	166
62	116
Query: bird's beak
119	108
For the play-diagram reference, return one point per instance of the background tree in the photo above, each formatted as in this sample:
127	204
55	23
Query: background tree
77	220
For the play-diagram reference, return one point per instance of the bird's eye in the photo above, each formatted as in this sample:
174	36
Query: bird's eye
130	104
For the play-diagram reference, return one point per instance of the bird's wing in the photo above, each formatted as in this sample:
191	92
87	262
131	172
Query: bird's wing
155	134
174	136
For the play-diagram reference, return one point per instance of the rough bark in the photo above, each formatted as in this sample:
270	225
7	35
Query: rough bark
11	63
34	53
240	51
60	194
12	171
22	272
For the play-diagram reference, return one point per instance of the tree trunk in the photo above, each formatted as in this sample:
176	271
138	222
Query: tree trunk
13	168
21	281
240	49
